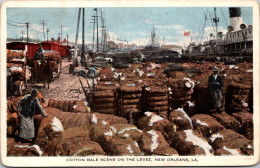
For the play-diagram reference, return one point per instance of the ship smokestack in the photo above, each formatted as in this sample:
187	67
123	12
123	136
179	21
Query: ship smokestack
235	18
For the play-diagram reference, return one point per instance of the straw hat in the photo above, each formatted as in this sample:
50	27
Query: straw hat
215	69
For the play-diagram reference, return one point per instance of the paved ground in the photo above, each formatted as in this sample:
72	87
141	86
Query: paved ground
66	86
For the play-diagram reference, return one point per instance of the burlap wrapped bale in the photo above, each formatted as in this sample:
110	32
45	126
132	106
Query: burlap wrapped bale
98	118
50	102
25	150
127	107
158	104
104	107
66	106
158	109
14	104
161	105
108	77
190	142
10	142
176	75
76	142
206	124
103	134
40	97
154	122
12	123
130	101
157	99
55	103
180	118
71	104
104	100
10	107
81	147
246	121
15	54
49	134
76	120
225	151
237	97
131	96
60	104
227	121
124	146
127	130
81	107
18	72
189	108
179	93
130	90
63	105
202	99
68	120
53	56
132	114
106	85
230	139
103	94
105	71
105	111
153	143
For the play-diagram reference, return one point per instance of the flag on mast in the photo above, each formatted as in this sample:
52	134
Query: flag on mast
186	33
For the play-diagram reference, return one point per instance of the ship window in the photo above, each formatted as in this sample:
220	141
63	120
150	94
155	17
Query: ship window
249	31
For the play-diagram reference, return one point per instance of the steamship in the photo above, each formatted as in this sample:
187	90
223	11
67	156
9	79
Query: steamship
238	41
154	42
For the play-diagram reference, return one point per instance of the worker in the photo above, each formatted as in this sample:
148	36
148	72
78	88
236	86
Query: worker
26	109
92	74
215	84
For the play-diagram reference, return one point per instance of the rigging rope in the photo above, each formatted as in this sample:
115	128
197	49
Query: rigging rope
206	18
224	17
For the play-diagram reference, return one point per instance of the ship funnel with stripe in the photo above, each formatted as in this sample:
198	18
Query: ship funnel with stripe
235	19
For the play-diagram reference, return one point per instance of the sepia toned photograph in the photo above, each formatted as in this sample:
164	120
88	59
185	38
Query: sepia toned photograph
116	83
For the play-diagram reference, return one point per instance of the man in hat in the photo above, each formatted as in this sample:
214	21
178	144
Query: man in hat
26	109
215	84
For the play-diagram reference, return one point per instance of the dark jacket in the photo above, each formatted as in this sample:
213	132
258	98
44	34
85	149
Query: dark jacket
215	84
27	106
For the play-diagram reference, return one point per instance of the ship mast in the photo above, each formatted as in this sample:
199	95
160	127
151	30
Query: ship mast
216	20
153	37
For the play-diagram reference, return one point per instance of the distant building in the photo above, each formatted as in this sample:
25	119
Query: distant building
111	45
171	47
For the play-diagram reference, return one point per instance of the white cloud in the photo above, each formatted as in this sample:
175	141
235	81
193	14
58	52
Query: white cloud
147	21
175	27
36	27
140	41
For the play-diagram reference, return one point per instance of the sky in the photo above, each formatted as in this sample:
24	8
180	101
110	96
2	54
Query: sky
133	24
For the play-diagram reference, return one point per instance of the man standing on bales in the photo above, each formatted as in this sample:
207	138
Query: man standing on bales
215	84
